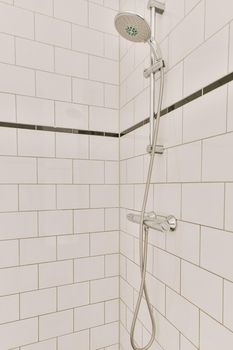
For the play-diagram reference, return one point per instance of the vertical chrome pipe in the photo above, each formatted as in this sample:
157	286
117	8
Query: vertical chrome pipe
152	77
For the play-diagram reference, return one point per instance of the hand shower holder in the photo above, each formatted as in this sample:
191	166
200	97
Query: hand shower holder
158	150
151	220
159	6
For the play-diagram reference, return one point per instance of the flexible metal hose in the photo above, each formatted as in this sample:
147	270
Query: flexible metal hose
143	234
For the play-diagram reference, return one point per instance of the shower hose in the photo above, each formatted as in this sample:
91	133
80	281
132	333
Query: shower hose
143	235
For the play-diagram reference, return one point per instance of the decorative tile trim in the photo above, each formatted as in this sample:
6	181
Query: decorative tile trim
57	129
218	83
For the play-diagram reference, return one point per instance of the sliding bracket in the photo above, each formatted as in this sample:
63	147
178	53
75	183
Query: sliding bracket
158	150
159	6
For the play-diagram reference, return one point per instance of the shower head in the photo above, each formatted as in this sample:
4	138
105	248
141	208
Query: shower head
132	27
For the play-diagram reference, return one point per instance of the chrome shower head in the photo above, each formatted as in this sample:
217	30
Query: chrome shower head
132	27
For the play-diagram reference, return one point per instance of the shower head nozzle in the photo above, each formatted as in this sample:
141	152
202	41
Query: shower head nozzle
132	27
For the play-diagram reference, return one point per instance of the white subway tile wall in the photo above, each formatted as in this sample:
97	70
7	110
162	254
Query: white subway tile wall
190	271
59	207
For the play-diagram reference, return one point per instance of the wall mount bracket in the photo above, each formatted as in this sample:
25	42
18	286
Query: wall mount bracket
159	6
158	150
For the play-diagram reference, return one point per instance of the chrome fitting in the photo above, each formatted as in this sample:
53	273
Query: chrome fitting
159	149
159	6
154	68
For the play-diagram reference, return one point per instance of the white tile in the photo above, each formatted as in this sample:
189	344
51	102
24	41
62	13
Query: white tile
183	39
184	242
52	31
104	148
172	16
7	54
88	172
114	4
8	198
111	172
203	289
37	111
214	335
87	40
199	69
217	167
69	247
170	131
231	48
104	70
127	115
96	15
209	111
9	308
173	85
18	279
167	268
73	295
35	55
8	141
75	11
135	170
89	316
9	253
216	252
37	197
111	219
203	203
104	243
88	268
167	199
53	86
186	345
184	163
112	311
25	332
127	195
55	273
217	15
189	5
88	92
104	335
141	110
44	6
159	171
228	207
111	95
37	250
104	289
111	44
53	325
230	105
17	170
16	21
57	222
74	341
8	111
71	115
127	146
72	145
183	314
72	196
36	143
44	345
104	196
71	63
227	313
18	225
112	265
103	119
17	80
126	293
37	302
54	171
88	220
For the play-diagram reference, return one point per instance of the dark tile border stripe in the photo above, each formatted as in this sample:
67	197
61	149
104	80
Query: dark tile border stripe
57	129
218	83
